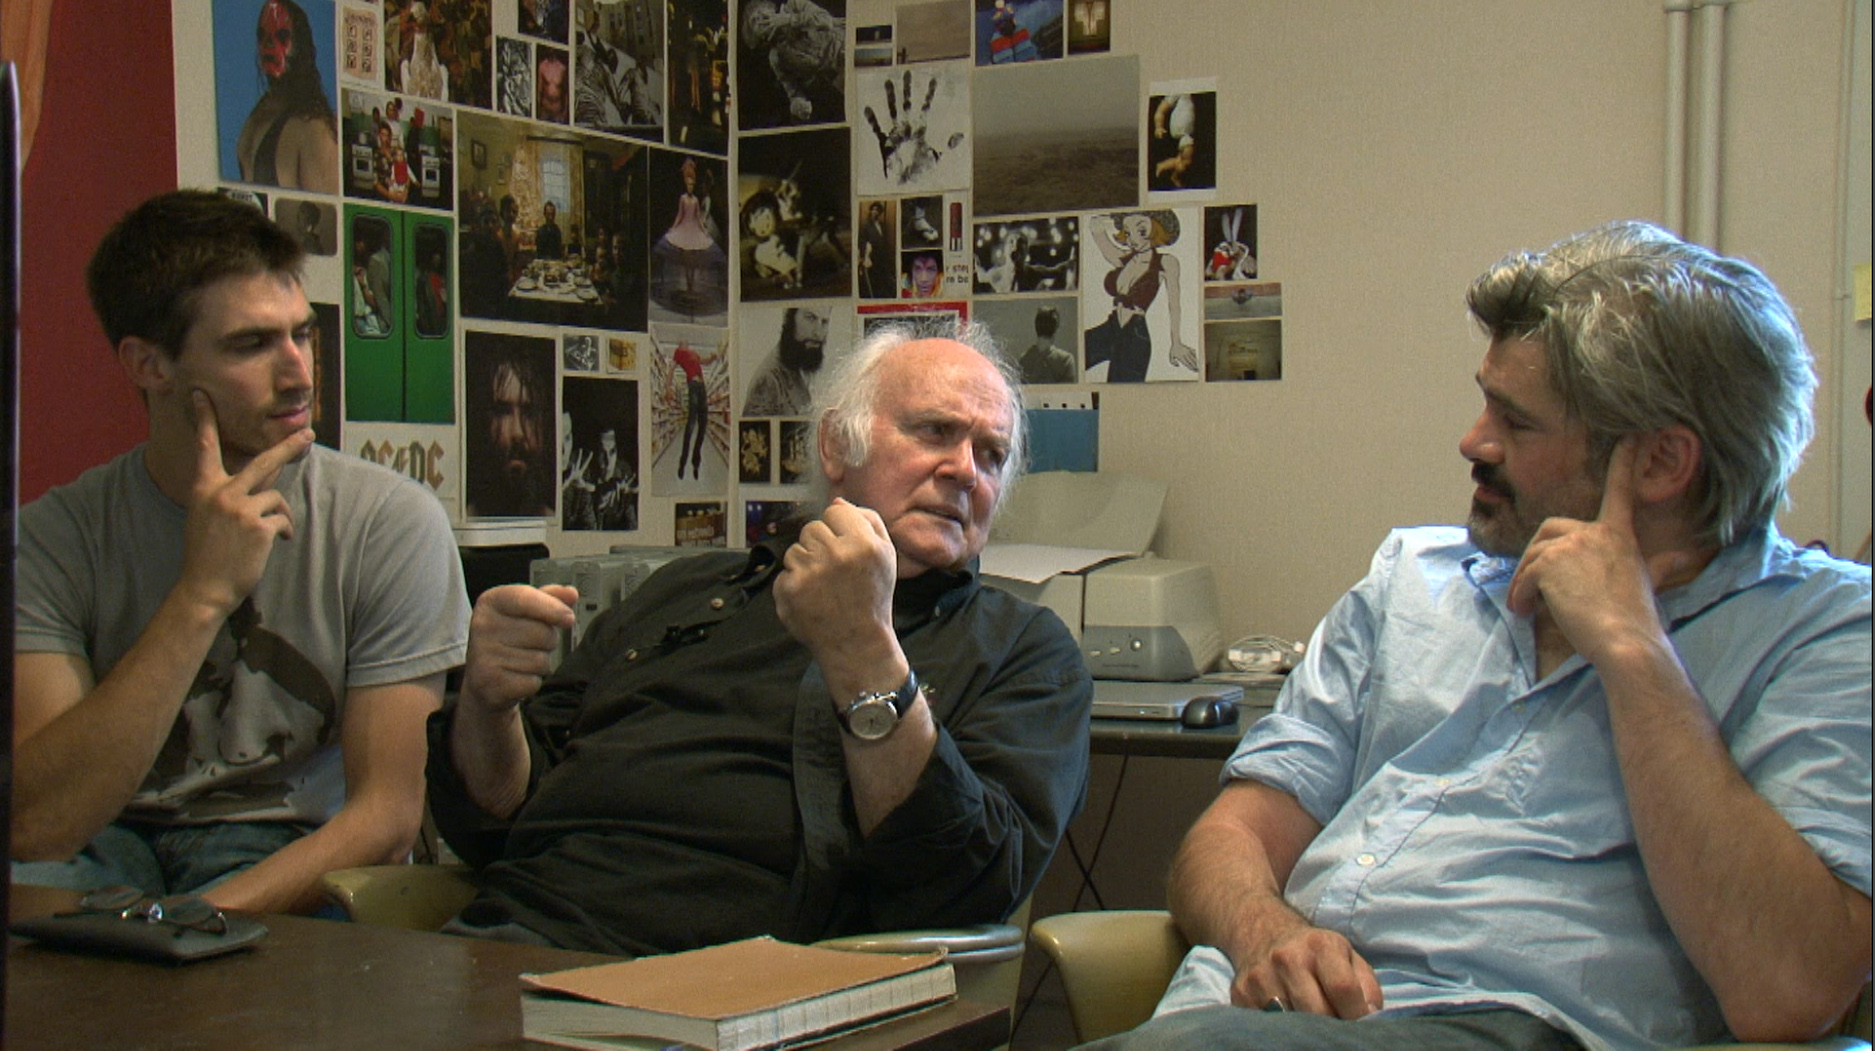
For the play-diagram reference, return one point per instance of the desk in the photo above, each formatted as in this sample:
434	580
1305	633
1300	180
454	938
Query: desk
1168	809
1172	740
324	984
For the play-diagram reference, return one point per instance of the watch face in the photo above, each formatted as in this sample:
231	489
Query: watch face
871	719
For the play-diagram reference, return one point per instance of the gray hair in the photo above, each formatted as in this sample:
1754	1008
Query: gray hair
1642	330
849	398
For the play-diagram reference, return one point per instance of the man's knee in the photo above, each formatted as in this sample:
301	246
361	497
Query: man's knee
115	857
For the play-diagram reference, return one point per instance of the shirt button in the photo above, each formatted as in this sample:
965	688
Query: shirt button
716	603
631	655
1365	861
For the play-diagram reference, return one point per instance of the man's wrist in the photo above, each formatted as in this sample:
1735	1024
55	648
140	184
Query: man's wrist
875	714
205	606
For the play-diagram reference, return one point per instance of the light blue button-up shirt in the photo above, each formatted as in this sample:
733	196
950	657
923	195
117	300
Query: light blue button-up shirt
1476	847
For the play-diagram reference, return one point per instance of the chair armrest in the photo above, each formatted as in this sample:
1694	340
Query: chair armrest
1114	965
415	897
987	956
979	943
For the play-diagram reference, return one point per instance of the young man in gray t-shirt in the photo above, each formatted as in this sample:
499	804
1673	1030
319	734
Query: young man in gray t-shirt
229	639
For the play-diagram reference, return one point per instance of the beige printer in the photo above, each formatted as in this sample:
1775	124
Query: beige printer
1078	544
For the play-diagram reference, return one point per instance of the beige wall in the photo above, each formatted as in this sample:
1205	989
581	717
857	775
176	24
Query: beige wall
1394	151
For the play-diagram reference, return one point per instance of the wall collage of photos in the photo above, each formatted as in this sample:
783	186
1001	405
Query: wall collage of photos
589	258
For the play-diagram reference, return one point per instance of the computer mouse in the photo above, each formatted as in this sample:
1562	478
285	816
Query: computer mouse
1207	710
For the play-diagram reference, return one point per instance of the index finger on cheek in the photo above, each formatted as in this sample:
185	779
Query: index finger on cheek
1618	483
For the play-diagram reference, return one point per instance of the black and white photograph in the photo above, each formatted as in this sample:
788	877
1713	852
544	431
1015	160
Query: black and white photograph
598	454
1041	334
790	63
913	135
514	77
579	352
872	45
783	350
618	67
1027	255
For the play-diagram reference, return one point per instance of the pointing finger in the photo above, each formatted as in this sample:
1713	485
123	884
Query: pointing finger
1618	485
261	471
207	437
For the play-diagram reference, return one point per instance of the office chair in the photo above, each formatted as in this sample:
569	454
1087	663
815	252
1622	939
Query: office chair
1115	964
987	956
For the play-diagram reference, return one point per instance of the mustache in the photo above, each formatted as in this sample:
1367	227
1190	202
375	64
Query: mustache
1489	477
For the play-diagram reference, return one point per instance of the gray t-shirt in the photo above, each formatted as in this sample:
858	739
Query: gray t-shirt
369	591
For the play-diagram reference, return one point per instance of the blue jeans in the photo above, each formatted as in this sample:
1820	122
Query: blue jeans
1223	1028
163	859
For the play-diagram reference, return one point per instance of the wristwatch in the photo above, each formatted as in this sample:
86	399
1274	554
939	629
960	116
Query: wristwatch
875	715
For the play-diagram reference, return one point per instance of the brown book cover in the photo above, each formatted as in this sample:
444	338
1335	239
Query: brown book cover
742	996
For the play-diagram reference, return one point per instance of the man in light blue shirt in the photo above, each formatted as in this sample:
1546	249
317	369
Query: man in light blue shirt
1593	772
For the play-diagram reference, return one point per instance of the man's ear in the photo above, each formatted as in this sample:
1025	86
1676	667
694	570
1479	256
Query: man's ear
832	452
1668	465
148	365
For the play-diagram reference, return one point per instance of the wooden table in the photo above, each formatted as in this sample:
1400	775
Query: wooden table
328	985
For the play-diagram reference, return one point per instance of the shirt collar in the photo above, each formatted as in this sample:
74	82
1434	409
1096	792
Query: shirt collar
1754	557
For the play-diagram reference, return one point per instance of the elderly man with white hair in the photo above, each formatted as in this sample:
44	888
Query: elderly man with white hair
839	730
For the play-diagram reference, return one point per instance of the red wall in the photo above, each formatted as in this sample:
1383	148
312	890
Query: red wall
106	140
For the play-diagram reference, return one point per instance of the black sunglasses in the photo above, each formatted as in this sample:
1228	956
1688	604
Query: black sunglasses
184	912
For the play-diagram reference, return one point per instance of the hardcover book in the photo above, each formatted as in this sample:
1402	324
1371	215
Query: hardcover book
742	996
